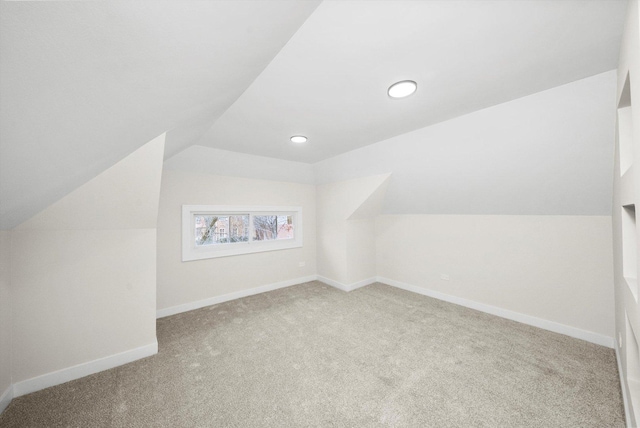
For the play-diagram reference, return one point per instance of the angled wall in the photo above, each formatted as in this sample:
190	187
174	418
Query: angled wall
506	209
548	153
116	74
83	276
346	229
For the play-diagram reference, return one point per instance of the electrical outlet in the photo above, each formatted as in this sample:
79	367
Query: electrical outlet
302	264
444	277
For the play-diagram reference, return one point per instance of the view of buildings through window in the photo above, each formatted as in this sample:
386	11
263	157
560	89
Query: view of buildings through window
223	229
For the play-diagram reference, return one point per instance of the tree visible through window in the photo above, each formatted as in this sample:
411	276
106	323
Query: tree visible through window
212	229
268	227
219	230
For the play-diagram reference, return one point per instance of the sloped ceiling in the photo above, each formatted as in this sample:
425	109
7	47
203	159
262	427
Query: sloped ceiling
330	81
83	84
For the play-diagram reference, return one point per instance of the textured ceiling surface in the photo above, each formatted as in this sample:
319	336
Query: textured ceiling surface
84	84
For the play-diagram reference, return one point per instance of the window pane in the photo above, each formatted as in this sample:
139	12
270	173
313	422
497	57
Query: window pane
221	229
206	229
265	227
239	228
285	227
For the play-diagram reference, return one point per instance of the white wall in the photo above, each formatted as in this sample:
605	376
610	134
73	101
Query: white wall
83	276
83	272
549	153
332	230
181	283
5	318
206	160
513	202
558	268
361	250
346	228
626	190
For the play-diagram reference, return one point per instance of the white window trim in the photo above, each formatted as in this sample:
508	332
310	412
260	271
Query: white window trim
192	252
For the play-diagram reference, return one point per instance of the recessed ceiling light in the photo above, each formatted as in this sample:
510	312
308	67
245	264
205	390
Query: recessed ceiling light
402	89
299	139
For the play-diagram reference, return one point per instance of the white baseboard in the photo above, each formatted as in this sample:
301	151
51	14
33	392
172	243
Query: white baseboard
598	339
623	386
82	370
6	398
91	367
161	313
346	287
173	310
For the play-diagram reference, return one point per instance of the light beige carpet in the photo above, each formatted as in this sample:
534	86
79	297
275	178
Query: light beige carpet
313	356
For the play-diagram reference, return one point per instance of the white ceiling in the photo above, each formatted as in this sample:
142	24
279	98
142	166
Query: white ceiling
329	82
83	84
549	153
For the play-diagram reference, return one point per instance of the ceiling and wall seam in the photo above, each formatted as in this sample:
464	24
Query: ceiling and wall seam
70	117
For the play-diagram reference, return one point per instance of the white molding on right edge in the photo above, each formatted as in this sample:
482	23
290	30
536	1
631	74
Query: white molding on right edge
623	385
6	398
347	287
598	339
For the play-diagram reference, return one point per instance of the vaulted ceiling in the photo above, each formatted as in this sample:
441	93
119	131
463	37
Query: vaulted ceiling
330	81
83	84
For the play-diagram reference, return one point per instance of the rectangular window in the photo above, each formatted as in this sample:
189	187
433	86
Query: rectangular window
216	231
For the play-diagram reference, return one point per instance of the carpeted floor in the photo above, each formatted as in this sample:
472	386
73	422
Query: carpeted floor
311	355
